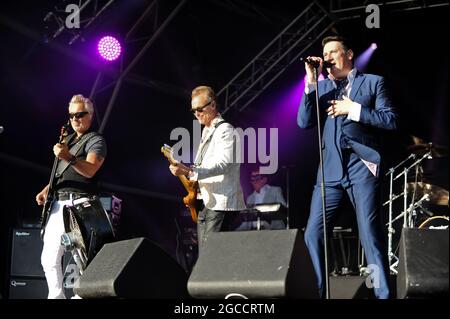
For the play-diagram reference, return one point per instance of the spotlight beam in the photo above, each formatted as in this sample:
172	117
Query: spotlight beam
363	59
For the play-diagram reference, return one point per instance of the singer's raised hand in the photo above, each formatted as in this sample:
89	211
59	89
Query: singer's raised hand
310	68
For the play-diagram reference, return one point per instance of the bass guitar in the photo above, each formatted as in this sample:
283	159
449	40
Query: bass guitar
47	207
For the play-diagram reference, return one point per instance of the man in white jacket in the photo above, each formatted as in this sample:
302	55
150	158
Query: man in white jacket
216	167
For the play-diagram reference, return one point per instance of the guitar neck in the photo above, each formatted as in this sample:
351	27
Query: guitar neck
52	175
61	140
184	180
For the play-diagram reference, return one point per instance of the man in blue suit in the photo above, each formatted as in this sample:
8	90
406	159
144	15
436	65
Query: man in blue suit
356	109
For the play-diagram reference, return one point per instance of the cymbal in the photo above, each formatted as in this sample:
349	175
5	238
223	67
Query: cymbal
436	150
437	195
417	140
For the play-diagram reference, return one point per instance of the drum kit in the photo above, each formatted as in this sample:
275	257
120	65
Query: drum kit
421	199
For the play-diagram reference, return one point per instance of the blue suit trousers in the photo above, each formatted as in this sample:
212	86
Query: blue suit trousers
362	187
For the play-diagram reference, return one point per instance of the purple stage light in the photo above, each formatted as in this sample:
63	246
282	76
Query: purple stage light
362	61
109	48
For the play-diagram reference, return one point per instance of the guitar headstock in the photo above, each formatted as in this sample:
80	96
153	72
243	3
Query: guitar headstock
64	132
168	153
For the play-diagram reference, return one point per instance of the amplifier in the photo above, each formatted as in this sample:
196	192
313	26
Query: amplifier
26	253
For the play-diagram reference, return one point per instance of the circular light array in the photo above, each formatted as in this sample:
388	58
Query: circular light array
109	48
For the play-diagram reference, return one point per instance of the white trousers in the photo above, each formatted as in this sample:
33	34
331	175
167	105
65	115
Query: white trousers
51	258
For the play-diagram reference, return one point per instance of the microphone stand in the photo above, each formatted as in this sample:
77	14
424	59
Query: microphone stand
287	168
287	197
322	186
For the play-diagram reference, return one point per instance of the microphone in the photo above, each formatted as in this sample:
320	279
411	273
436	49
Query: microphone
316	64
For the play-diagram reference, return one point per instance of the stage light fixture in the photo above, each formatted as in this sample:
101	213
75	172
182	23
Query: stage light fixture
109	48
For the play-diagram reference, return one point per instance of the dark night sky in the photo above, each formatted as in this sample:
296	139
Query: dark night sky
206	43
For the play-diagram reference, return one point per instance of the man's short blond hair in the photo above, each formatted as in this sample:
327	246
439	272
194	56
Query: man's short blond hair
88	105
204	89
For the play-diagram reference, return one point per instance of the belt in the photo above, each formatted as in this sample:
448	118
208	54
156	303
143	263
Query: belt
70	195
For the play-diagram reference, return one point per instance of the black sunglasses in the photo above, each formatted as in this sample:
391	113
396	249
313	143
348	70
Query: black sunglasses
255	178
200	109
78	115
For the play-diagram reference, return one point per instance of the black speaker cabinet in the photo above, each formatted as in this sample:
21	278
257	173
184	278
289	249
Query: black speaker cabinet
350	287
423	263
27	288
254	264
134	268
26	253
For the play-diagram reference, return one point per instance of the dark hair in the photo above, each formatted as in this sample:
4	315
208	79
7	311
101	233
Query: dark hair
337	38
257	169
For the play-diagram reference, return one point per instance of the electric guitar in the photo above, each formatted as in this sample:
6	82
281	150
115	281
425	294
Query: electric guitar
190	200
50	195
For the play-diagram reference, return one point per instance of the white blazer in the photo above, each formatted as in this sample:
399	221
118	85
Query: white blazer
218	174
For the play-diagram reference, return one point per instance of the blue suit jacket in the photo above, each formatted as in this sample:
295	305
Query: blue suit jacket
377	113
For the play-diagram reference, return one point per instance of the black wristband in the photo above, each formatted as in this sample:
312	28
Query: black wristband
73	160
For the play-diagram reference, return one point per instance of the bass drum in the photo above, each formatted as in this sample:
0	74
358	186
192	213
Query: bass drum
88	228
435	222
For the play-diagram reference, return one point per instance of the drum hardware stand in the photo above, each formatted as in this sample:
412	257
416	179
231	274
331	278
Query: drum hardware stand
428	192
407	211
391	230
412	210
425	156
405	178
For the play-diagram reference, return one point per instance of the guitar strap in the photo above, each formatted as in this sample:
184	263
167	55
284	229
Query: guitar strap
205	145
74	150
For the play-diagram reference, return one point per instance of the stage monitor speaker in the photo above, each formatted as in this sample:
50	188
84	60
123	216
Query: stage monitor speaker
423	263
134	268
254	264
350	287
26	253
28	288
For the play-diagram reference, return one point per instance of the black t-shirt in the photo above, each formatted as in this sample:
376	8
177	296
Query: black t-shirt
71	180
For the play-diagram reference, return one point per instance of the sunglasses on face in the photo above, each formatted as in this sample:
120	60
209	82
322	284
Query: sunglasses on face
200	109
78	115
256	178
